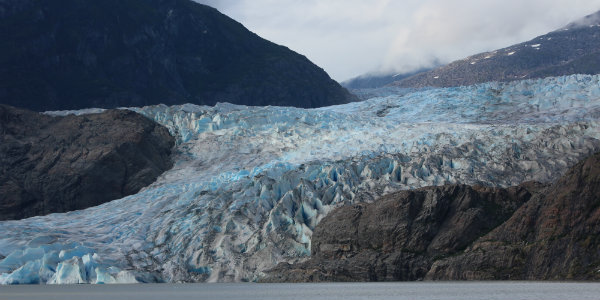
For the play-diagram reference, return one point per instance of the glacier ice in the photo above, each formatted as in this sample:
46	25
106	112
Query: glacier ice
250	184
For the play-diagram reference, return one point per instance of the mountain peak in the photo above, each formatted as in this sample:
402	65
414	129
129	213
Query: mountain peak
574	49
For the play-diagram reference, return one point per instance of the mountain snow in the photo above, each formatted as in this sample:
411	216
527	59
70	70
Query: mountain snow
250	184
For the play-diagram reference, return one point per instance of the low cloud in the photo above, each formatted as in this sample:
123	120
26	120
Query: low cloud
352	37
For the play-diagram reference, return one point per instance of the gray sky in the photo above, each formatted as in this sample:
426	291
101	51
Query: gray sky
348	38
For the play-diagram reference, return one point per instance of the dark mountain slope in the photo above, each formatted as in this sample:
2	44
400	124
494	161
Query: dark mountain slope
461	232
75	54
58	164
574	49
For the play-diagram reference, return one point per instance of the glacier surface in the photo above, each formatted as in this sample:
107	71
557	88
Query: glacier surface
251	183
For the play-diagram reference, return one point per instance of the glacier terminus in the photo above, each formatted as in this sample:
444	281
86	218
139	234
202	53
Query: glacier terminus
250	184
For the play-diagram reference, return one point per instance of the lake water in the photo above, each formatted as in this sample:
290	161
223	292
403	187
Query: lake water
513	290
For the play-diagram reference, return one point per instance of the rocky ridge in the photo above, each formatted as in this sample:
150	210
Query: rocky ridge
574	49
377	80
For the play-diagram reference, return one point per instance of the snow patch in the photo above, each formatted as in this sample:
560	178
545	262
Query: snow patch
85	111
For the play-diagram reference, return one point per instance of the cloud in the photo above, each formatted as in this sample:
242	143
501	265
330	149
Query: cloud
351	37
589	20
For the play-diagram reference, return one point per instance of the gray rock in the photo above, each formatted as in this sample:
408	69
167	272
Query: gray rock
554	236
58	164
399	236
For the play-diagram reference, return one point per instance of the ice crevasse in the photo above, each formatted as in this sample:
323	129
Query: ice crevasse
251	183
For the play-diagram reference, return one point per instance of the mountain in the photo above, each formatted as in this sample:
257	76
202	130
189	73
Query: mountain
528	232
75	54
59	164
250	185
574	49
369	81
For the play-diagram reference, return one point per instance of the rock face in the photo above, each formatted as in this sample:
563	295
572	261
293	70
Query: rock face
73	54
399	236
554	236
460	232
574	49
58	164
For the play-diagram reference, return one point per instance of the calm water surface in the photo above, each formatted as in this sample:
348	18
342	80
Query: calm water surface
401	290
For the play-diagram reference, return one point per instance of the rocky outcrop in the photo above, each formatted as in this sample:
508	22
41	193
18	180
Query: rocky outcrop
574	49
74	54
460	232
58	164
401	235
554	236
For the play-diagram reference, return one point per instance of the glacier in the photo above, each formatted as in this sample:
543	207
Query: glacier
250	184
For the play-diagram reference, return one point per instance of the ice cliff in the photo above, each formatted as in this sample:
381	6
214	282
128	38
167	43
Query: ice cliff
250	183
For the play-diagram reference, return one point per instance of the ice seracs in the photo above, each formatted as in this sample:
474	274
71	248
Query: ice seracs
250	183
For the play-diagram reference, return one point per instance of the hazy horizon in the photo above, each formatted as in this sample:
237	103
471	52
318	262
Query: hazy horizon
350	38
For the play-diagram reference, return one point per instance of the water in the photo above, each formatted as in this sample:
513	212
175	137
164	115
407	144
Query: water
397	290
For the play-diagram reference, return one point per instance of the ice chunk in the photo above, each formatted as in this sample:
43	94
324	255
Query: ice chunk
19	257
126	277
69	271
29	273
103	276
79	251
